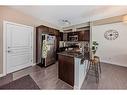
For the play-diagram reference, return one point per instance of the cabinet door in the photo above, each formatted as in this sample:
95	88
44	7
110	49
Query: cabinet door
60	67
66	69
69	70
56	32
61	36
51	31
81	35
84	35
44	29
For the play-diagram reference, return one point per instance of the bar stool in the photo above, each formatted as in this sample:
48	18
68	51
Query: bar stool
97	60
94	65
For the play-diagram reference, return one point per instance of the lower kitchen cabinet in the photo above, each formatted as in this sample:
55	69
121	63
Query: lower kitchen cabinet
66	69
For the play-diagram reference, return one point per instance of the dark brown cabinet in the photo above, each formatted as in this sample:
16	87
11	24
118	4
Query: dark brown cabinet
43	29
66	69
61	36
84	35
76	36
56	32
51	31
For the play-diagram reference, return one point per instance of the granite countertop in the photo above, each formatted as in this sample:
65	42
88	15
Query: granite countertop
71	54
74	55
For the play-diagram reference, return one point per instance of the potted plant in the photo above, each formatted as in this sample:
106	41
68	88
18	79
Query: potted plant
94	46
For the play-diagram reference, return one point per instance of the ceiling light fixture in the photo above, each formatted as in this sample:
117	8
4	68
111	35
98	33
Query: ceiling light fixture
66	22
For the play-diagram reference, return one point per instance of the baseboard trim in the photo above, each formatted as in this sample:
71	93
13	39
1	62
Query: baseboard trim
1	75
34	64
108	62
76	88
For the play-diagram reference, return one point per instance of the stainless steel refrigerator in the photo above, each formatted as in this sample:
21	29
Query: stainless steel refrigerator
48	49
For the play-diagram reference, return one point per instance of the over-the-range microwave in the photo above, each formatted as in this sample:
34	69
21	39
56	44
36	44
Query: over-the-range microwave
73	38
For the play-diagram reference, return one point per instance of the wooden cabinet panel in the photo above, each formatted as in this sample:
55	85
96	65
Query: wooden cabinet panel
80	35
66	69
60	67
51	31
68	35
56	32
61	36
43	29
83	35
87	35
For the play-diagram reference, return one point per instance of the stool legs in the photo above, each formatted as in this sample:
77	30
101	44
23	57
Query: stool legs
94	67
96	73
99	66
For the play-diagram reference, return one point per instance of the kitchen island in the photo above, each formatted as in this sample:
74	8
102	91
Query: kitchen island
72	68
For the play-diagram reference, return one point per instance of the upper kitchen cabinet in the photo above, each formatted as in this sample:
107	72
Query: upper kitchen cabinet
84	35
61	36
56	32
42	29
78	32
51	31
47	30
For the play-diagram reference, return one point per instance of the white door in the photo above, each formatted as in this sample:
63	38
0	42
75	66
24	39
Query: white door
19	46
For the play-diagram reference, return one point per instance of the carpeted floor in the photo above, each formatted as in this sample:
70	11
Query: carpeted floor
25	82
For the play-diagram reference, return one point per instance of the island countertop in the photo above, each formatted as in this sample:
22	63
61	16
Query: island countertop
71	54
74	54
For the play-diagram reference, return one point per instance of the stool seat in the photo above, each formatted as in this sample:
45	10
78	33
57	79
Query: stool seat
94	61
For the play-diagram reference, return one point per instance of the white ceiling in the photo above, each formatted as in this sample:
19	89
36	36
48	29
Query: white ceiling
74	14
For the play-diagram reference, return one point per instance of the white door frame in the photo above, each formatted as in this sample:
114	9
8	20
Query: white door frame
5	43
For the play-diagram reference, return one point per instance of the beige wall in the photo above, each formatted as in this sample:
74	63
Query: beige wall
12	15
109	20
115	51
